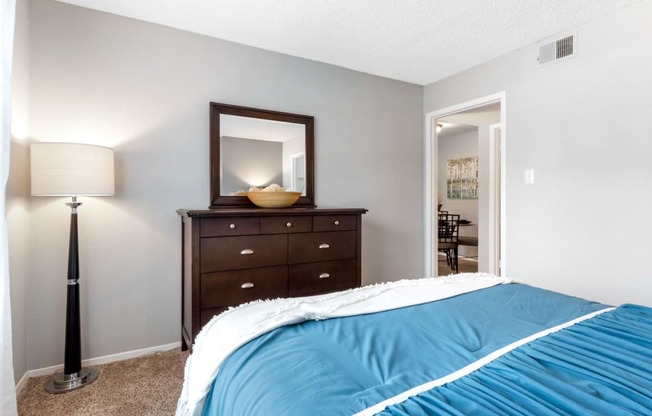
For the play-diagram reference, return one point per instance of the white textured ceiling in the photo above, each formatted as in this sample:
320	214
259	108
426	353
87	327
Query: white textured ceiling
418	41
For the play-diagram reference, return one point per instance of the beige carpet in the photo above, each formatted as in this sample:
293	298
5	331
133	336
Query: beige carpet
148	385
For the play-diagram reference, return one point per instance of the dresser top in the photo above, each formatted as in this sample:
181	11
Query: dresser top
252	212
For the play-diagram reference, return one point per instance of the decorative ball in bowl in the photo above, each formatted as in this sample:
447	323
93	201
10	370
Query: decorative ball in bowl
273	198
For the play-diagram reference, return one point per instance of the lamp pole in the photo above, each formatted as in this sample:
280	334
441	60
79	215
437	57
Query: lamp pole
73	376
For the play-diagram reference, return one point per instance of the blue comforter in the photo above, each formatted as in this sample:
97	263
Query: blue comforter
342	366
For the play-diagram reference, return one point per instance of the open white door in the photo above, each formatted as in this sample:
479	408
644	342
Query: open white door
495	200
491	234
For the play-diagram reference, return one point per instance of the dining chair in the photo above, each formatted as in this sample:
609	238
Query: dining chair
448	234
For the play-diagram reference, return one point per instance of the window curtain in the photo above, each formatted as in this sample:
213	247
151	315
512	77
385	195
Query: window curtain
7	383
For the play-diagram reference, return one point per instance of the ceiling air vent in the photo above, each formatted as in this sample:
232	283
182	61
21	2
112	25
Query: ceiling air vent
559	49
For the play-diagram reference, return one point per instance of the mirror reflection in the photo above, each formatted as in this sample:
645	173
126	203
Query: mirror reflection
259	152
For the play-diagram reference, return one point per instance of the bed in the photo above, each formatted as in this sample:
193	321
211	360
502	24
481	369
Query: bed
468	344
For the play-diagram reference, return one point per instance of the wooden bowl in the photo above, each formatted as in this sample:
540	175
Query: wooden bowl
274	199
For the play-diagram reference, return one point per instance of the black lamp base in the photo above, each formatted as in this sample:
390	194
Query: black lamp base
63	383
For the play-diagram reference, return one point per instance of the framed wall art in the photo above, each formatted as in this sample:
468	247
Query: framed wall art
462	180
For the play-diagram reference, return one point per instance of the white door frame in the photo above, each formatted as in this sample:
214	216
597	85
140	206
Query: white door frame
431	177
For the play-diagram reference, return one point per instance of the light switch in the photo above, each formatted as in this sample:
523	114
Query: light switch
529	176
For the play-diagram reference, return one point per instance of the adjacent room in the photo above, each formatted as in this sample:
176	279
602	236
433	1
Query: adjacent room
347	171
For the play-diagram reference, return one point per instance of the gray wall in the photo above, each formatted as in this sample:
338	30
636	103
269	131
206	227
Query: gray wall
582	124
144	90
261	158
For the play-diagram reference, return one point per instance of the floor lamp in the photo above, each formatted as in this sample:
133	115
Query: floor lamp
64	169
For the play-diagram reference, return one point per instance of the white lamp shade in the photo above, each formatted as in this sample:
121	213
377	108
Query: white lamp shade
66	169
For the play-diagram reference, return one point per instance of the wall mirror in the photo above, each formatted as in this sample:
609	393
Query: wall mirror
254	147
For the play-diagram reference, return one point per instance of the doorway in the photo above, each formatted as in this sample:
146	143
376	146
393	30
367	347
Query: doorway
480	122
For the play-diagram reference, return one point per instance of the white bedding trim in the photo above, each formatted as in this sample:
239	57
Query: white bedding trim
476	365
233	328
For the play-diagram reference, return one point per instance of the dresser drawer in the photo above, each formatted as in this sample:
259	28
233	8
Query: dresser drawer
314	278
334	222
305	248
233	253
290	224
237	287
217	227
208	314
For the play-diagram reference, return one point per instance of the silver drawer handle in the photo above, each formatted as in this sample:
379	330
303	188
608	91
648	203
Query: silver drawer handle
289	224
324	245
336	222
247	252
232	226
247	285
324	276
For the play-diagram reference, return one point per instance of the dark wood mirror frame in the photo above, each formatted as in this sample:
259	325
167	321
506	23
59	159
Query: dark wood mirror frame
216	109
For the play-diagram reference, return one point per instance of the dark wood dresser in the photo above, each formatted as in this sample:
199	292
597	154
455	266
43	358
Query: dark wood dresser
233	256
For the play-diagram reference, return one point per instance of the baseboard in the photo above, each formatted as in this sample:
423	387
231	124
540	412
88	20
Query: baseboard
95	361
